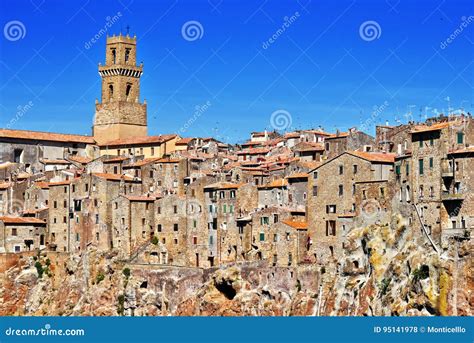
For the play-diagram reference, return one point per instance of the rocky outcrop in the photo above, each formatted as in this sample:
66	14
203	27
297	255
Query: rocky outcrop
388	270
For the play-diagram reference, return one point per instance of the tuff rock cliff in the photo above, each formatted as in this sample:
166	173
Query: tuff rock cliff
401	275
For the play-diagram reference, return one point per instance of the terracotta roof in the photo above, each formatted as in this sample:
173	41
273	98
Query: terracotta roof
295	224
42	184
309	146
253	151
292	135
21	220
5	185
139	198
275	184
80	159
298	176
427	128
60	183
113	177
115	159
58	161
142	140
466	150
6	165
338	135
258	134
374	156
45	136
185	141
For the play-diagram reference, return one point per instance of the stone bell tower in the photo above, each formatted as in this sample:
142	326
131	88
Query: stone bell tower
120	113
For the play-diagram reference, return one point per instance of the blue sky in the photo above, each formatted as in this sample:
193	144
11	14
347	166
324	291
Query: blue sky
322	69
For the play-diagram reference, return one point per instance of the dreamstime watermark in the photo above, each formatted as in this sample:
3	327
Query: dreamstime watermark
46	331
110	21
20	112
464	24
287	21
377	111
192	30
281	120
370	30
14	30
370	209
198	111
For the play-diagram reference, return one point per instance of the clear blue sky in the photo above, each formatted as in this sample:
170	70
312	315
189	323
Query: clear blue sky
320	69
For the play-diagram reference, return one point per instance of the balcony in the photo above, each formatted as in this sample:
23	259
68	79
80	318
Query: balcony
447	171
452	196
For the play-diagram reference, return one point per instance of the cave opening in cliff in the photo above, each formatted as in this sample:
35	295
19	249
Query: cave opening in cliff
226	289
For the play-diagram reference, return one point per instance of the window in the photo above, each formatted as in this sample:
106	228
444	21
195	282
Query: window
114	56
421	191
341	170
460	138
431	191
330	208
407	169
330	227
158	228
211	240
275	218
65	190
194	223
195	240
315	191
431	141
175	209
264	221
341	190
152	151
127	54
159	209
397	169
14	232
64	220
315	175
431	163
175	227
111	92
224	209
221	195
231	209
353	189
354	168
262	237
420	166
287	236
382	192
176	241
55	204
232	194
275	238
421	143
97	219
86	187
73	188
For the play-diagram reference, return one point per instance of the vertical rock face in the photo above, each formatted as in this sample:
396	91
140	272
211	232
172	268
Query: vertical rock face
397	273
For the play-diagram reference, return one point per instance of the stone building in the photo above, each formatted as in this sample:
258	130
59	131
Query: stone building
331	202
352	140
19	234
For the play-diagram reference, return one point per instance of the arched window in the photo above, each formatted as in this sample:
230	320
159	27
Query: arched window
114	56
111	91
127	55
127	90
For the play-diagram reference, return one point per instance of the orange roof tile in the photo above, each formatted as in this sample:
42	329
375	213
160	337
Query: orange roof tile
309	146
5	185
42	184
21	220
142	162
115	159
427	128
142	140
224	185
58	161
296	225
60	183
253	151
275	184
374	156
80	159
338	135
185	141
45	136
298	176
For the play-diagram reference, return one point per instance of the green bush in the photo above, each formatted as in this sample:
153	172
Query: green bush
384	286
39	269
126	272
120	306
155	240
100	277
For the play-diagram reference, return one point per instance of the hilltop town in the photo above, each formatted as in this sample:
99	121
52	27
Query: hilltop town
352	224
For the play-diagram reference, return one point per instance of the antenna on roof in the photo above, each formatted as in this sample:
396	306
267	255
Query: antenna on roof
128	29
